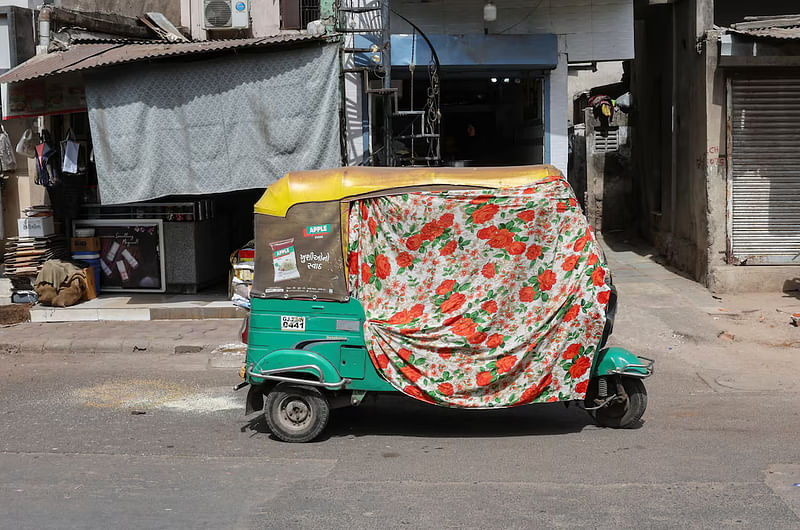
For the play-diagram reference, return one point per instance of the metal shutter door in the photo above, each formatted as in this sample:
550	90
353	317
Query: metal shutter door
765	170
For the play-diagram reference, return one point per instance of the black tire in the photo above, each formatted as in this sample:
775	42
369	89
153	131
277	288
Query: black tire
624	415
296	413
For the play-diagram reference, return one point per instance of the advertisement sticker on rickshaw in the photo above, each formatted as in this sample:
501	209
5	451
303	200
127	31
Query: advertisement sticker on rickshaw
305	260
317	231
284	260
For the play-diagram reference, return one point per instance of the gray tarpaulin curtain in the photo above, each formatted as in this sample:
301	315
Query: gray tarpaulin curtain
212	126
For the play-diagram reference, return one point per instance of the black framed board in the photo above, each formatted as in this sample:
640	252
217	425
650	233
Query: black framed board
131	253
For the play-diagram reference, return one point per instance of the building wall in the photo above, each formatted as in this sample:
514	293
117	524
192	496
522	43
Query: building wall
556	125
680	146
265	18
29	4
674	137
728	12
593	30
584	79
130	8
19	189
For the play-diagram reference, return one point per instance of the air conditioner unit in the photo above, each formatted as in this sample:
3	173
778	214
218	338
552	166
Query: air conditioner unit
226	14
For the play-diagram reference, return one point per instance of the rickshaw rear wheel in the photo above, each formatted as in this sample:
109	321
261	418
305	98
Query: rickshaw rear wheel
296	413
624	414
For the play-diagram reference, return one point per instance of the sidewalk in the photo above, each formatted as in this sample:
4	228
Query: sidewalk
732	343
158	336
142	306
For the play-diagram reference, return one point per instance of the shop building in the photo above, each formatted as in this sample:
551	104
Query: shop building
17	189
496	91
188	127
717	88
181	134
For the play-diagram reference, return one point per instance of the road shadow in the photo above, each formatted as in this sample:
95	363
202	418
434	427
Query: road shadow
395	415
791	288
627	242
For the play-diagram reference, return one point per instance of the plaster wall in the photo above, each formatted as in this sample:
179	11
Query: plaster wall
681	147
608	175
727	12
29	4
265	18
651	84
556	124
129	8
354	96
593	30
675	148
583	79
19	189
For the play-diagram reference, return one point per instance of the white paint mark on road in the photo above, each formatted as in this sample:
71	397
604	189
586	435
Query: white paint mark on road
149	394
203	403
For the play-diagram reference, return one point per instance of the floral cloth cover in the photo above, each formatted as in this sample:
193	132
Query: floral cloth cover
480	298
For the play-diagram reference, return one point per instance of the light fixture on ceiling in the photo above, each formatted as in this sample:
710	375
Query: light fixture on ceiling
489	12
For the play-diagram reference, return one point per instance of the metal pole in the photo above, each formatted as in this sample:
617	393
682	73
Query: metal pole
387	84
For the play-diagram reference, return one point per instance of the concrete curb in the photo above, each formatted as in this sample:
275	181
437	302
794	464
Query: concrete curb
163	337
83	347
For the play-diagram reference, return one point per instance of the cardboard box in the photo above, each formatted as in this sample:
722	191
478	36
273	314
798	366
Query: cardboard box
91	288
85	244
35	226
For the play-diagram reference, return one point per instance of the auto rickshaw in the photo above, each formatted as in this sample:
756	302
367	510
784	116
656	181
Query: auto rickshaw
461	287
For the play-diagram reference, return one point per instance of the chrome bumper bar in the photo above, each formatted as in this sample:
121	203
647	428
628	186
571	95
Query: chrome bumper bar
273	375
647	366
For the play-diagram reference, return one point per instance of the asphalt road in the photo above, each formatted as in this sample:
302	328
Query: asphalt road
719	446
74	455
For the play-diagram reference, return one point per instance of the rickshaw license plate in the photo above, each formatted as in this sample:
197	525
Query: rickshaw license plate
290	323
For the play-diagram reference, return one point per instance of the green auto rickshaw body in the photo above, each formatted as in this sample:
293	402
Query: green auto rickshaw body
331	352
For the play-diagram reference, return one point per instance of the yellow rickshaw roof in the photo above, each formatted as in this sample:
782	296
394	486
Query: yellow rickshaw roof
335	184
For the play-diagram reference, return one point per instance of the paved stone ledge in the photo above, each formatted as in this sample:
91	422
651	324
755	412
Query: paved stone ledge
161	336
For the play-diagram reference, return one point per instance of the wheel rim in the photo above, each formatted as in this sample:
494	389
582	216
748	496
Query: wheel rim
295	413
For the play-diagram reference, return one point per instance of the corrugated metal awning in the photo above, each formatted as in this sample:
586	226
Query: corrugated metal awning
88	56
773	27
771	33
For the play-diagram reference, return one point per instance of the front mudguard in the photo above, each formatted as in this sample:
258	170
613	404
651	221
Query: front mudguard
304	367
619	361
295	366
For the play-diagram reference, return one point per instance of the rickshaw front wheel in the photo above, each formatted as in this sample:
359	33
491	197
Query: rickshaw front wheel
624	414
296	413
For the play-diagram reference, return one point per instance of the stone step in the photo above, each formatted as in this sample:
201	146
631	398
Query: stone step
5	287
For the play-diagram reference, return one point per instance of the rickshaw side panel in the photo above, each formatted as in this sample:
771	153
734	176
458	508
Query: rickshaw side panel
329	336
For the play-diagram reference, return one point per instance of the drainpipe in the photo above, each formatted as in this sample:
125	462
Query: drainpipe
44	26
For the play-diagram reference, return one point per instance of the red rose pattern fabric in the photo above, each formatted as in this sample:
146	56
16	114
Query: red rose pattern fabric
480	299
